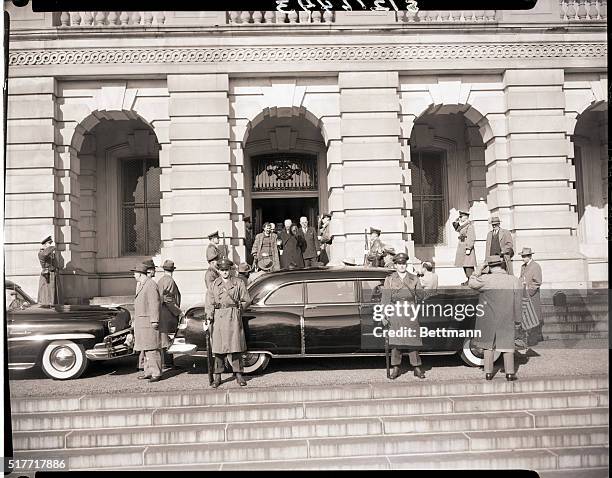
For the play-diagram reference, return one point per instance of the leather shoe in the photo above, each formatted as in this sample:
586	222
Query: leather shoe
511	377
216	381
395	372
154	379
465	283
489	376
240	380
418	372
143	377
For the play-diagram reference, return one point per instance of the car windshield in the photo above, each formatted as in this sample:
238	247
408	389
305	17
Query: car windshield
16	298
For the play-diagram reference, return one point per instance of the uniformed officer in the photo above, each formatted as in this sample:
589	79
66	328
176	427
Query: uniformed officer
211	273
225	300
377	249
49	289
214	249
402	286
465	256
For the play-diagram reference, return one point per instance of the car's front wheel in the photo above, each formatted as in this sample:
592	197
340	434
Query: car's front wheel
63	360
251	362
473	356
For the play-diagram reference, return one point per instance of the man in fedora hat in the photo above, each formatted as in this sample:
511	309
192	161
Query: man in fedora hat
170	308
465	256
265	265
243	272
265	245
401	286
500	297
150	267
147	337
49	286
377	251
225	301
499	243
531	280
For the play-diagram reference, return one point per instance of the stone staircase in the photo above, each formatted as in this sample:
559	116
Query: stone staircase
558	426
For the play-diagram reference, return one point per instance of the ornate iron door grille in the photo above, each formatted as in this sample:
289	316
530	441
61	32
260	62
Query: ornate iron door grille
284	172
428	197
140	214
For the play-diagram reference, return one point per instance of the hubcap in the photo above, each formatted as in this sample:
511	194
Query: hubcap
63	358
249	359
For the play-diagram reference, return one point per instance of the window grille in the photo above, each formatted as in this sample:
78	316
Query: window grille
284	172
428	197
140	214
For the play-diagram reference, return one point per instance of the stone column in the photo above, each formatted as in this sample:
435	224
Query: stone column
33	182
530	180
368	176
196	179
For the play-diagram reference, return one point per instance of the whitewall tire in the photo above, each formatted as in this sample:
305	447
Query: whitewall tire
472	357
64	360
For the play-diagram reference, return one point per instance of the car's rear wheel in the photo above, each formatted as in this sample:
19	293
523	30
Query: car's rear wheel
64	360
473	356
252	362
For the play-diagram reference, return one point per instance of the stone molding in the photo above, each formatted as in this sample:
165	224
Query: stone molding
305	54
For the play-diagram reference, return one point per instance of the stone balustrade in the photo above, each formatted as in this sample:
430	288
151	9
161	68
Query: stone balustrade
111	19
447	16
257	17
583	10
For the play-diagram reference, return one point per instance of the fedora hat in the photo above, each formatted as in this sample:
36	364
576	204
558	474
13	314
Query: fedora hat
168	265
349	261
149	264
495	220
493	260
526	251
243	268
265	263
142	268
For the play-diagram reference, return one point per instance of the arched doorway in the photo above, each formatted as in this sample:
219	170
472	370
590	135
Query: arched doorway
590	140
285	166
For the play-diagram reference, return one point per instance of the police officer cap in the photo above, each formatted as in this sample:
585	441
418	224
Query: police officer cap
213	234
400	258
374	230
46	239
225	265
464	213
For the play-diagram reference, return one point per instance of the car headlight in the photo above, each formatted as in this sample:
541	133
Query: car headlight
182	325
109	325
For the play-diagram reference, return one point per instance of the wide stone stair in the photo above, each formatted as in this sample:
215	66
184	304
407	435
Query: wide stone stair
558	426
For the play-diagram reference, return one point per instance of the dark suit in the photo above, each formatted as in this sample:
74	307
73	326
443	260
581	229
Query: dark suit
505	247
292	247
312	245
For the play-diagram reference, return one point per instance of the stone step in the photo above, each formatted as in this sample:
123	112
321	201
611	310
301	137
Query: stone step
574	327
321	409
573	318
574	335
321	428
427	446
577	473
254	395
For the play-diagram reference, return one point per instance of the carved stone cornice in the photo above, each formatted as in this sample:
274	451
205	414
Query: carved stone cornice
110	56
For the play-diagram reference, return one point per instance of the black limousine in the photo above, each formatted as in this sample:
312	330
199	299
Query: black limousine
61	339
329	311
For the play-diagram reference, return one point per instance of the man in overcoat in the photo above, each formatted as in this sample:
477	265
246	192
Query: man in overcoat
499	243
265	245
531	280
225	301
146	323
378	252
49	286
401	286
465	256
313	246
500	298
170	308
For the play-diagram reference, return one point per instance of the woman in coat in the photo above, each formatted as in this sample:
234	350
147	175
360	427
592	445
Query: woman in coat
500	297
265	245
147	337
399	287
225	301
465	256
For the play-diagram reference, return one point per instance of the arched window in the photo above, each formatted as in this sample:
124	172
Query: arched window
428	197
139	206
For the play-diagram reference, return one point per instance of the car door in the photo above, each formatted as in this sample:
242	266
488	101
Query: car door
21	352
331	317
370	297
275	325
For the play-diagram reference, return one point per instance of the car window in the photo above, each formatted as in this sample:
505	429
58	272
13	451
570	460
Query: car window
292	294
14	299
371	291
332	292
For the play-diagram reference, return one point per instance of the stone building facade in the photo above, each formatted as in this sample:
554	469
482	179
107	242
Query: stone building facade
136	134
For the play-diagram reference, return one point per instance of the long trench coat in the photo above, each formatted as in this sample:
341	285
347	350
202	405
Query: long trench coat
506	245
467	237
500	297
170	310
531	275
49	286
292	250
397	290
146	313
224	302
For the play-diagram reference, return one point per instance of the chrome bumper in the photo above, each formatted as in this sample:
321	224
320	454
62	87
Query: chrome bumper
180	347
